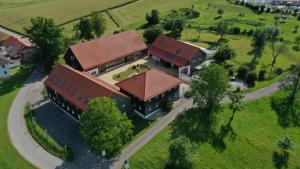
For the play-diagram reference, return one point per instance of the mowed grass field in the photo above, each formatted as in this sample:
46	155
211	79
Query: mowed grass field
16	14
9	157
257	132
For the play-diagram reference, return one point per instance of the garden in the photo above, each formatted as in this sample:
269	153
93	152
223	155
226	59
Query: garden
132	70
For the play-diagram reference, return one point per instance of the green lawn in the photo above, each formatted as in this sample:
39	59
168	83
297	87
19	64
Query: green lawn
16	14
9	157
257	129
129	72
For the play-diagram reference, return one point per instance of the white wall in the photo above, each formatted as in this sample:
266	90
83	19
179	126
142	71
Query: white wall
5	70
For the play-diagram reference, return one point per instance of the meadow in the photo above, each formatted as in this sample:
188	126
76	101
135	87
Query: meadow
16	14
254	145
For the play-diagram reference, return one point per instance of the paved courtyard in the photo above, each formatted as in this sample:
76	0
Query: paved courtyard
107	76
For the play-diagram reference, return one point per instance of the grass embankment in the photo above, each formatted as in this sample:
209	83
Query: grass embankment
44	139
257	129
136	69
9	157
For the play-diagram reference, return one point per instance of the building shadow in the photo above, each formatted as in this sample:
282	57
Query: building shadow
66	131
287	117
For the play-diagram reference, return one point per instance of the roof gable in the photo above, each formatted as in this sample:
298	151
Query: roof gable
149	84
79	87
15	45
174	51
96	52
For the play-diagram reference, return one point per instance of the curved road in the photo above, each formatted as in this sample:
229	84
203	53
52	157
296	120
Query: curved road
32	152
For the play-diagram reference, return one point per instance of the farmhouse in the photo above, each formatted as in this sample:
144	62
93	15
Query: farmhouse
72	90
19	48
182	56
149	90
4	67
102	54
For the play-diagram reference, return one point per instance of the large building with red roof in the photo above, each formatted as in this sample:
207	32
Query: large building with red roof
181	55
98	55
150	90
72	90
19	48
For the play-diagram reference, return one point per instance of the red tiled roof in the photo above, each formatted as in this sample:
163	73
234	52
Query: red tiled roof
149	84
79	87
15	45
173	51
104	50
3	61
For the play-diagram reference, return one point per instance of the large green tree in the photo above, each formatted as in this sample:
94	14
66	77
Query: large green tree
223	54
153	18
47	39
174	26
292	84
151	34
180	154
105	127
222	28
285	144
90	27
258	42
210	87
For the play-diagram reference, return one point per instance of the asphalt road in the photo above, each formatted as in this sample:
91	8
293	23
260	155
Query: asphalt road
65	130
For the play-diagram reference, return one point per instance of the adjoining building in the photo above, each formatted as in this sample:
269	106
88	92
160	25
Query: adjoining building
100	55
149	89
19	48
72	90
4	67
182	56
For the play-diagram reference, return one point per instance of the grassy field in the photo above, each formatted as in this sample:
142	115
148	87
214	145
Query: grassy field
16	14
9	157
257	131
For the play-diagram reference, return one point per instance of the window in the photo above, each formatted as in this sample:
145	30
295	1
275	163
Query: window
156	105
3	66
63	105
5	72
68	108
123	105
150	108
78	116
163	95
73	112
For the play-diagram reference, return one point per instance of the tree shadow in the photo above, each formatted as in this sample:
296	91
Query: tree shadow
200	126
145	26
287	117
280	160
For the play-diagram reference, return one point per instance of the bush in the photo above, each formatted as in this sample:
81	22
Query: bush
151	34
262	75
251	77
230	72
188	94
167	106
235	30
242	72
279	71
250	32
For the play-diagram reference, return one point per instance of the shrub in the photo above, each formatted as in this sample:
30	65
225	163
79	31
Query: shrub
242	72
235	30
279	71
262	75
151	34
230	72
188	94
167	106
251	77
250	32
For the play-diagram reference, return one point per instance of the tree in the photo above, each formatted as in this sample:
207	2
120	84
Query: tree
98	23
292	84
277	50
222	28
285	144
223	54
174	26
242	72
153	18
151	34
179	154
258	42
220	11
105	127
47	38
251	77
297	41
236	103
84	29
89	28
211	88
